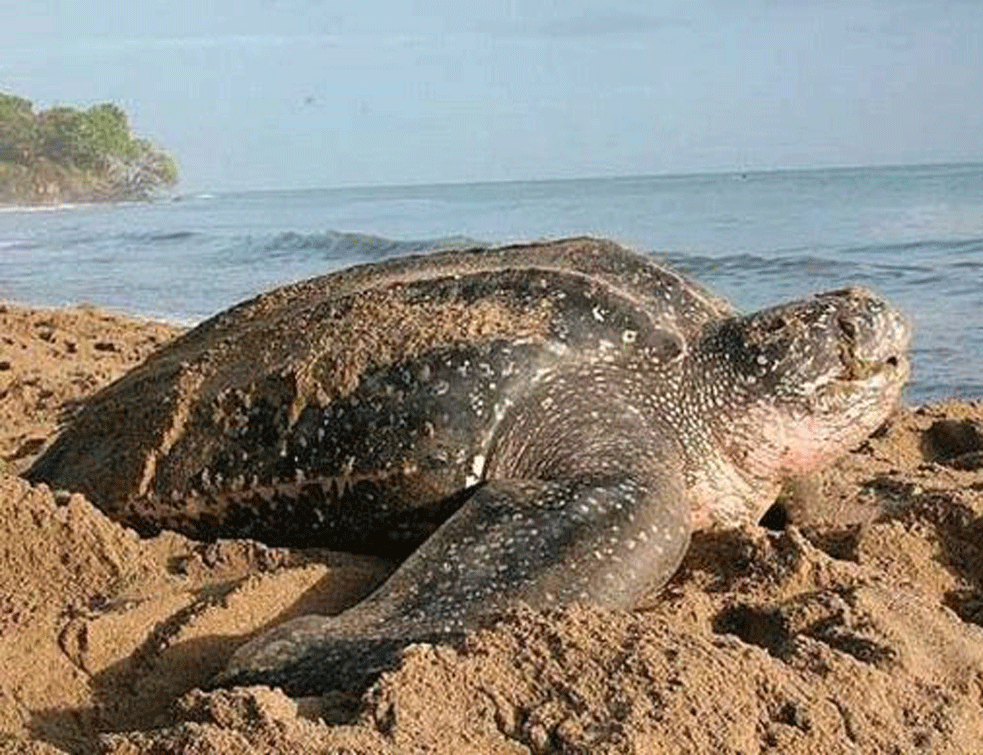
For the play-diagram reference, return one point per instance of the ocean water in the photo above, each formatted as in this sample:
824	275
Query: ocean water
914	234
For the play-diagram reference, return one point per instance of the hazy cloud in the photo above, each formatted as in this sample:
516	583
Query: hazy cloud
602	22
146	44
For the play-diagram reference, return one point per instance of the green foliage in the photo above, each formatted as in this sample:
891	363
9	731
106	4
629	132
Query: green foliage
67	153
11	105
18	128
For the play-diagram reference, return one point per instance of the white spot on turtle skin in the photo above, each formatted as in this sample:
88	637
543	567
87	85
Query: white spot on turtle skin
501	408
559	349
478	465
598	313
629	336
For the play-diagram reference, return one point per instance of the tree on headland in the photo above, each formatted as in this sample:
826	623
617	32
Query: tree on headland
67	154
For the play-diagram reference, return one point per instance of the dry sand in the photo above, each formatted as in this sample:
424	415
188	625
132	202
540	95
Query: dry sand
858	630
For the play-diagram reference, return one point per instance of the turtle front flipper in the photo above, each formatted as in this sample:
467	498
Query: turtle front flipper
543	543
599	540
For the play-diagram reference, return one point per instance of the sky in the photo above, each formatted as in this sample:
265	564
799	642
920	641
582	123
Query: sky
278	94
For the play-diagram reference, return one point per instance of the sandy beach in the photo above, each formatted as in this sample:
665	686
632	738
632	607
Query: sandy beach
855	629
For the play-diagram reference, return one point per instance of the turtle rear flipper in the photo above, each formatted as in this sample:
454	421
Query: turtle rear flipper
542	543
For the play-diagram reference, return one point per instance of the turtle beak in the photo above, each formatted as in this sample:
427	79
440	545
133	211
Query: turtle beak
873	336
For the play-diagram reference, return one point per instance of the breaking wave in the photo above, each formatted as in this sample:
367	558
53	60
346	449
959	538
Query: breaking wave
344	246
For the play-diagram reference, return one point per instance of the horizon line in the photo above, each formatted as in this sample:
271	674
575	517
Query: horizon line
742	172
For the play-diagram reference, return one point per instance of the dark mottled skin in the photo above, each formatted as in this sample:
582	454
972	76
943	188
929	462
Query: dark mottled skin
272	396
564	412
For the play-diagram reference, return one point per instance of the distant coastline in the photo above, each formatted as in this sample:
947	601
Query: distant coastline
65	155
31	192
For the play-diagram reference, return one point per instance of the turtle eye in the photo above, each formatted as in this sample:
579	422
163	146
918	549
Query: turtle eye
847	328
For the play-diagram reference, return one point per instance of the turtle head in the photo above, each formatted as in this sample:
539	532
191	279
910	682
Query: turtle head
809	380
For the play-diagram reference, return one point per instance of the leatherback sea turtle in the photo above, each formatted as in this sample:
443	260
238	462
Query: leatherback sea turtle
542	423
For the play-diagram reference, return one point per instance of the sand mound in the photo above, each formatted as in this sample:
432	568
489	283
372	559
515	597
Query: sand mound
858	629
50	359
